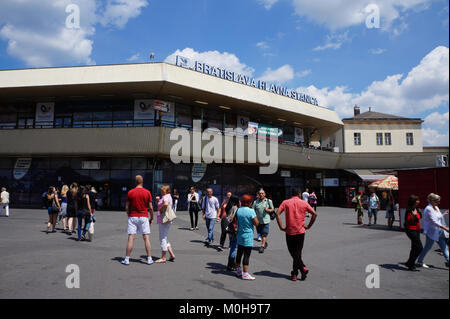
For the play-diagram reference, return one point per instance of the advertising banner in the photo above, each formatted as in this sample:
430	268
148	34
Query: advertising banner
143	110
45	112
299	136
21	168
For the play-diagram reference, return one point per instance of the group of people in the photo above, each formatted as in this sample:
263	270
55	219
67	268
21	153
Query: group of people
74	207
237	218
373	205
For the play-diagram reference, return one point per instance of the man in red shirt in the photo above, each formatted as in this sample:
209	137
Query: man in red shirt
296	209
139	202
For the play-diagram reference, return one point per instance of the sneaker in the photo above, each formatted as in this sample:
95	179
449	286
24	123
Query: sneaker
369	224
248	277
238	271
149	261
294	276
125	262
423	265
261	250
259	238
304	272
191	229
220	248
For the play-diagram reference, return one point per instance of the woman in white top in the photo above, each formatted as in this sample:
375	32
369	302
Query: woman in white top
163	203
434	228
193	207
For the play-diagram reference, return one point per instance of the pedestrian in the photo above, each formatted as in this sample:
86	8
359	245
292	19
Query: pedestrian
193	207
305	195
164	203
4	201
434	228
210	213
390	208
295	210
138	206
263	208
232	206
63	214
175	197
313	200
412	229
93	201
374	206
223	221
53	208
245	218
72	208
359	208
84	213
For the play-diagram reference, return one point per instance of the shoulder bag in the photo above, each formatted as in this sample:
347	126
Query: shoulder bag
168	215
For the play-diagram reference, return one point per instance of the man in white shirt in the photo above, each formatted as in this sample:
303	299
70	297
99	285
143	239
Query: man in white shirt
4	201
305	195
211	214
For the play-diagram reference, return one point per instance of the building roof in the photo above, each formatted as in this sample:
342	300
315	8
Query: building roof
376	116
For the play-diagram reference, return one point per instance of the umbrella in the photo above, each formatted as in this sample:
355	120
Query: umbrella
390	182
376	183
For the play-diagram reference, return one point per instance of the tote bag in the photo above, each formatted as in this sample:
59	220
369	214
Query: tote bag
169	215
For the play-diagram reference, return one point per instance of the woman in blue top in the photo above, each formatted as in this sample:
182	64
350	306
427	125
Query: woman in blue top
246	218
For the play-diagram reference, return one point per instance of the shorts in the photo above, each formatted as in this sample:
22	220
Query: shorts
138	225
52	212
373	212
263	229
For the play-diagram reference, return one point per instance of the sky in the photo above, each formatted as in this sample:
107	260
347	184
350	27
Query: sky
390	55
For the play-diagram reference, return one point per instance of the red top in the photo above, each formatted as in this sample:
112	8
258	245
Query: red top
295	210
138	200
412	222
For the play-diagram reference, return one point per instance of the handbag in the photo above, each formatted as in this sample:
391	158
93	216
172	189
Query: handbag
169	215
55	208
230	229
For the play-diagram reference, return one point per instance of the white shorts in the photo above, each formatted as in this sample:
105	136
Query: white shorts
138	225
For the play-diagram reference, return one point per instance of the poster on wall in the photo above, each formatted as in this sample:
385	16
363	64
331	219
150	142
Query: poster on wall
242	122
21	168
299	135
252	129
167	109
143	110
45	112
198	171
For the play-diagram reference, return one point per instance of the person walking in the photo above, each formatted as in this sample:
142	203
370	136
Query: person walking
193	207
295	210
93	198
390	209
84	213
53	208
374	205
305	195
175	198
63	214
434	229
412	229
4	201
359	208
263	207
232	206
210	213
245	218
313	200
72	208
164	203
223	221
138	206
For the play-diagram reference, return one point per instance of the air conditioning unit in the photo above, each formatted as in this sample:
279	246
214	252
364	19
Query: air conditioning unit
442	161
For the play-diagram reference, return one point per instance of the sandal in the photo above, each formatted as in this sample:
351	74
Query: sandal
172	259
160	261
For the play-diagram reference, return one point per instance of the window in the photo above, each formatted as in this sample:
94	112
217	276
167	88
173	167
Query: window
387	139
357	138
379	138
409	139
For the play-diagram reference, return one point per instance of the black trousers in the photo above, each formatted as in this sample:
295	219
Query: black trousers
416	246
246	251
223	236
295	247
192	214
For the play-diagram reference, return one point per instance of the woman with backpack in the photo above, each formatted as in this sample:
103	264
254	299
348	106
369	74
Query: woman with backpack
53	208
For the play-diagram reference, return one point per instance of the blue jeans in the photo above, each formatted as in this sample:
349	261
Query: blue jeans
87	222
210	222
233	247
442	242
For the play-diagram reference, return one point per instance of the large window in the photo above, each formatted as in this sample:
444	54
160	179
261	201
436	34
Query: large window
357	138
387	139
379	138
409	139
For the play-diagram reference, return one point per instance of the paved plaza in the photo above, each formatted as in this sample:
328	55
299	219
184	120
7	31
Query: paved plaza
33	263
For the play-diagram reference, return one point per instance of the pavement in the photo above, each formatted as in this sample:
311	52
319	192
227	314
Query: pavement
337	252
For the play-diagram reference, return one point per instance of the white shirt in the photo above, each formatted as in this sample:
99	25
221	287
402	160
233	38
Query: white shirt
190	195
210	206
432	220
305	196
4	197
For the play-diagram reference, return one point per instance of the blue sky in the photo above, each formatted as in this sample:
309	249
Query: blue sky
321	47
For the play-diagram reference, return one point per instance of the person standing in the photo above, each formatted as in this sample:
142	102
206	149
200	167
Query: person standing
390	207
313	200
4	201
232	206
223	221
175	197
63	214
210	213
412	229
138	205
359	208
305	195
263	208
193	207
93	201
295	210
53	208
164	203
245	218
84	213
434	228
72	208
374	205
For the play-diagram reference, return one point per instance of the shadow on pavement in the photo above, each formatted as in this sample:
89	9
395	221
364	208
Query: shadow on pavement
215	247
220	269
132	260
377	227
268	273
221	286
394	267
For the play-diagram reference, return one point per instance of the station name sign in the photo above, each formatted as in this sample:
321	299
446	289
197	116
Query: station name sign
243	79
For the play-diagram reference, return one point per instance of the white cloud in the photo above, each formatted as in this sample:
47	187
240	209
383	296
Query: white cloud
224	60
424	88
262	45
377	51
334	41
432	137
134	58
437	120
268	3
283	74
303	73
36	31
